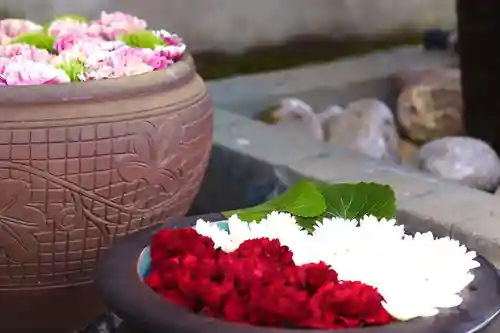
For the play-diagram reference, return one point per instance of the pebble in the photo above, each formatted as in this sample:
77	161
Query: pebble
366	126
298	116
466	160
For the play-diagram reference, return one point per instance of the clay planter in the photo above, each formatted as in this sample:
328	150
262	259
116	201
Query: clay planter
120	282
81	165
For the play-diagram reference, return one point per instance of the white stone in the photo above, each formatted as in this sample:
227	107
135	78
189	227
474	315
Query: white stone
366	126
469	161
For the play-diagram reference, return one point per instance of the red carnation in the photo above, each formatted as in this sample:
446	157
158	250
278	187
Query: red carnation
258	284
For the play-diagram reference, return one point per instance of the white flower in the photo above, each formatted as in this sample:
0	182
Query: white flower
276	225
417	275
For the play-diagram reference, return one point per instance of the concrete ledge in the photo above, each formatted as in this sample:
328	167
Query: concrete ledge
339	81
425	203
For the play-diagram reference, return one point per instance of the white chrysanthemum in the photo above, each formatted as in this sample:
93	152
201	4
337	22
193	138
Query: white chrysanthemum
417	275
276	225
220	237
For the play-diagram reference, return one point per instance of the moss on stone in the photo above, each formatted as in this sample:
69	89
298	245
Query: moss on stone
215	65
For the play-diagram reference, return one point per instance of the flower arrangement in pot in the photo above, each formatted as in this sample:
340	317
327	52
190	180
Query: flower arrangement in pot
322	257
105	129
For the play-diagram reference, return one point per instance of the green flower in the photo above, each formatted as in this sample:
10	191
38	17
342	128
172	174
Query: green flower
39	40
73	69
71	17
142	39
66	17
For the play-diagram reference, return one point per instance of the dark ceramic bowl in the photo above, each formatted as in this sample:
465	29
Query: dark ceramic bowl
119	280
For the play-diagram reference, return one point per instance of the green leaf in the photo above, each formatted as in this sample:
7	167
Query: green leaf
353	201
38	39
308	223
142	39
301	200
73	69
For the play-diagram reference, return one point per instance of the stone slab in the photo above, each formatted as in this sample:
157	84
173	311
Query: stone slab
320	85
425	202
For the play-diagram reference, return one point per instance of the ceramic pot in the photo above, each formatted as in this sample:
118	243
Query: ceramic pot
120	282
82	165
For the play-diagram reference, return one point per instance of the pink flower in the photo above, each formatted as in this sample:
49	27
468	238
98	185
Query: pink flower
172	53
72	27
124	61
169	38
175	46
115	24
18	72
71	47
25	52
159	61
15	27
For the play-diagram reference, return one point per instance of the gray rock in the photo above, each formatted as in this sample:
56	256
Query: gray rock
366	126
469	161
430	107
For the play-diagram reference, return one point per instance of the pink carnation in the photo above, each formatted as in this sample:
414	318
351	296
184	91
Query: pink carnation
15	27
123	62
175	46
25	52
72	27
115	24
71	47
173	53
28	72
169	38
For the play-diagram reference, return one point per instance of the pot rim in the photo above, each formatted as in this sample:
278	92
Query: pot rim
173	76
143	308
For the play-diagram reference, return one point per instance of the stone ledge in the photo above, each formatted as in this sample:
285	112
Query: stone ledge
425	203
330	76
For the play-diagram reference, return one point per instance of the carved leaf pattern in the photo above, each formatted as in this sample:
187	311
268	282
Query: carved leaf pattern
156	157
18	221
72	216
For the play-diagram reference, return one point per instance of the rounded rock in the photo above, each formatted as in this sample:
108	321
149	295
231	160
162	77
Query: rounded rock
366	126
431	108
466	160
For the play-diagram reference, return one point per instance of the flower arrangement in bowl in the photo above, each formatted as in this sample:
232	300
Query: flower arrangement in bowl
72	48
322	257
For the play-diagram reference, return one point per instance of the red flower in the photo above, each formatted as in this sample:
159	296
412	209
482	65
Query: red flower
170	243
258	284
266	250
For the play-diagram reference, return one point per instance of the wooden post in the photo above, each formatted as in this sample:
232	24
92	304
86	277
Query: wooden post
479	49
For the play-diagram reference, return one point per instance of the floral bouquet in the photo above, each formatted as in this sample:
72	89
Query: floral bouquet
317	257
71	48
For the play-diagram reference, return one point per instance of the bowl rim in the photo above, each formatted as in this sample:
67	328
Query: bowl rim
143	308
173	76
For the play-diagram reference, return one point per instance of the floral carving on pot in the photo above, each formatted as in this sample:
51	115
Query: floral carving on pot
156	158
18	221
75	216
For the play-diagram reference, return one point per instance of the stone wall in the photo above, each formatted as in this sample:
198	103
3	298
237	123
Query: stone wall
237	24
